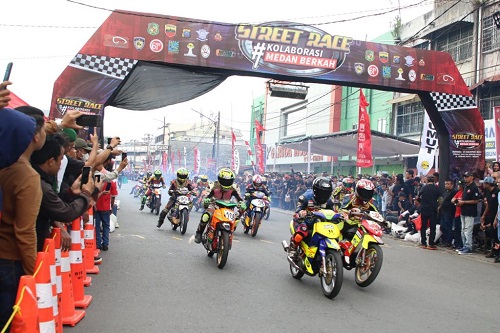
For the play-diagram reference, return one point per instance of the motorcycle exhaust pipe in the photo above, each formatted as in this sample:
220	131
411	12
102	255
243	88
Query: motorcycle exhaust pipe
291	262
285	245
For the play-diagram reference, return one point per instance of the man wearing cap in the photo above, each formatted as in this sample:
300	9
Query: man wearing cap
490	211
446	211
82	149
468	206
430	197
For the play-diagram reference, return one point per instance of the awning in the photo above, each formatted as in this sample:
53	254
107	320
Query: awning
490	79
402	99
345	144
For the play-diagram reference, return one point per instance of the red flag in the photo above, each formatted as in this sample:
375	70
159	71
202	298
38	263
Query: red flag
259	152
250	155
233	141
364	158
196	160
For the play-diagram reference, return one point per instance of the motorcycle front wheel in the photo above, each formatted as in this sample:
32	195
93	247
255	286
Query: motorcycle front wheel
157	207
183	221
257	217
366	271
268	213
332	275
223	250
296	273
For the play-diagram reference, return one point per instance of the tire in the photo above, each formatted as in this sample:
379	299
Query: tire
364	276
136	192
157	208
268	213
257	217
223	251
183	221
210	254
333	274
296	273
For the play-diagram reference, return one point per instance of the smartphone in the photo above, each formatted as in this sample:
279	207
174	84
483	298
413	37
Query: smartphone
124	156
108	186
97	177
6	77
92	120
109	140
85	175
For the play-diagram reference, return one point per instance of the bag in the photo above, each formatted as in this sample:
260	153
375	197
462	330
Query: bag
112	222
287	197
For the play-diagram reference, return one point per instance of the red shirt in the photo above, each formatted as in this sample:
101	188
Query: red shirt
104	201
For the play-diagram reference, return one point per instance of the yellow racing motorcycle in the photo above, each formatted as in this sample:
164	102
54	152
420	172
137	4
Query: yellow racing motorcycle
319	253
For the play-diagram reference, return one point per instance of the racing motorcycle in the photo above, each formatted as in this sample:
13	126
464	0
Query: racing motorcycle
154	203
360	241
198	201
139	189
319	253
179	214
218	235
255	212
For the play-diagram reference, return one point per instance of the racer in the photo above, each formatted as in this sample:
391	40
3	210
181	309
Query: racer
180	182
319	197
257	184
155	179
222	189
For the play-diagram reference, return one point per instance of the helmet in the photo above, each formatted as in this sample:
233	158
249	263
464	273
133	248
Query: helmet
322	189
348	182
149	174
141	173
257	181
264	180
182	175
364	189
226	178
204	178
157	173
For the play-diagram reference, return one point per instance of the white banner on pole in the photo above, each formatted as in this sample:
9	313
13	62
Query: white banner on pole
428	147
236	161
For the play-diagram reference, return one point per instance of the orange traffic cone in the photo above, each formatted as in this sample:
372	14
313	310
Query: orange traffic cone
56	236
44	293
89	245
87	280
70	316
77	269
26	318
49	248
97	252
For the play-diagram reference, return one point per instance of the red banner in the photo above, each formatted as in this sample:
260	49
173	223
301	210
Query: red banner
496	112
164	162
259	152
250	155
364	158
196	160
233	141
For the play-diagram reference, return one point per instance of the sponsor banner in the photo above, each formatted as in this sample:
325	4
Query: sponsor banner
233	155
496	112
428	147
196	160
236	156
490	137
364	156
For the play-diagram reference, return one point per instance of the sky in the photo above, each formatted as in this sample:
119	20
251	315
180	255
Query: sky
42	40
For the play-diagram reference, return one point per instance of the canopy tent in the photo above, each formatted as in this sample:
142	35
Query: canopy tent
345	144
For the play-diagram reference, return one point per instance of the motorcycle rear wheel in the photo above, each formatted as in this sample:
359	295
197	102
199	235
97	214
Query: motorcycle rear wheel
223	251
368	270
332	275
157	207
183	221
296	273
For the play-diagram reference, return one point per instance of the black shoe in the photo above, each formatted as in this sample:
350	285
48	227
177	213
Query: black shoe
497	259
197	238
158	225
104	247
142	207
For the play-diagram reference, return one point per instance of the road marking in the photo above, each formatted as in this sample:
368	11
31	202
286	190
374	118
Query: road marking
265	241
174	237
138	236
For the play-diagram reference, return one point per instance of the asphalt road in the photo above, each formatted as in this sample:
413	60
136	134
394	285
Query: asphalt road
155	280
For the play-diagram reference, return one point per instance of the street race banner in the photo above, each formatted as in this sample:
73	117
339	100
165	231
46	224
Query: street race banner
428	147
364	158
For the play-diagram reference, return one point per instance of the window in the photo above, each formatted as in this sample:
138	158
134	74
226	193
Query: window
409	118
294	120
491	35
490	97
382	125
458	43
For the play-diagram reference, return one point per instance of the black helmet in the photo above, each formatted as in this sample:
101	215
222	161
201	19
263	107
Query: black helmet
226	178
365	189
322	188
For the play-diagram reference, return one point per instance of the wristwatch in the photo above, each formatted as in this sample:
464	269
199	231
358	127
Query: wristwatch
109	147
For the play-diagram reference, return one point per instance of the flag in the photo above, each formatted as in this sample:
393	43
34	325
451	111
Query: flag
496	112
164	162
250	155
364	158
428	147
236	162
233	141
259	153
196	160
172	162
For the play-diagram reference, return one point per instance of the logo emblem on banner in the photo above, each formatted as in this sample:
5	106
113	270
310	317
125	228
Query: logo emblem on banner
170	30
383	57
359	68
153	29
369	55
139	43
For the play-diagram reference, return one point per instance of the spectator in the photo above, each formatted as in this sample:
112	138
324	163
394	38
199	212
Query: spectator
47	162
446	212
20	197
489	214
468	206
410	182
429	197
399	186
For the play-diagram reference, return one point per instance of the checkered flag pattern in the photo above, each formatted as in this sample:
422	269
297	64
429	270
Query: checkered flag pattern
116	67
446	102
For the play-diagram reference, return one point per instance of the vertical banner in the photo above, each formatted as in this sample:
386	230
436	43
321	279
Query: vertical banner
233	141
496	112
250	155
185	157
428	147
172	161
364	158
236	156
179	157
258	151
196	160
164	162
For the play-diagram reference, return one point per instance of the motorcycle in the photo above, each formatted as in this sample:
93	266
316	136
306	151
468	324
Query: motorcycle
218	235
361	248
154	203
198	201
319	253
255	212
179	214
139	189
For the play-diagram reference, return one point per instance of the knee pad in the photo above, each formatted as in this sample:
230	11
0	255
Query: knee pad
205	218
300	233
